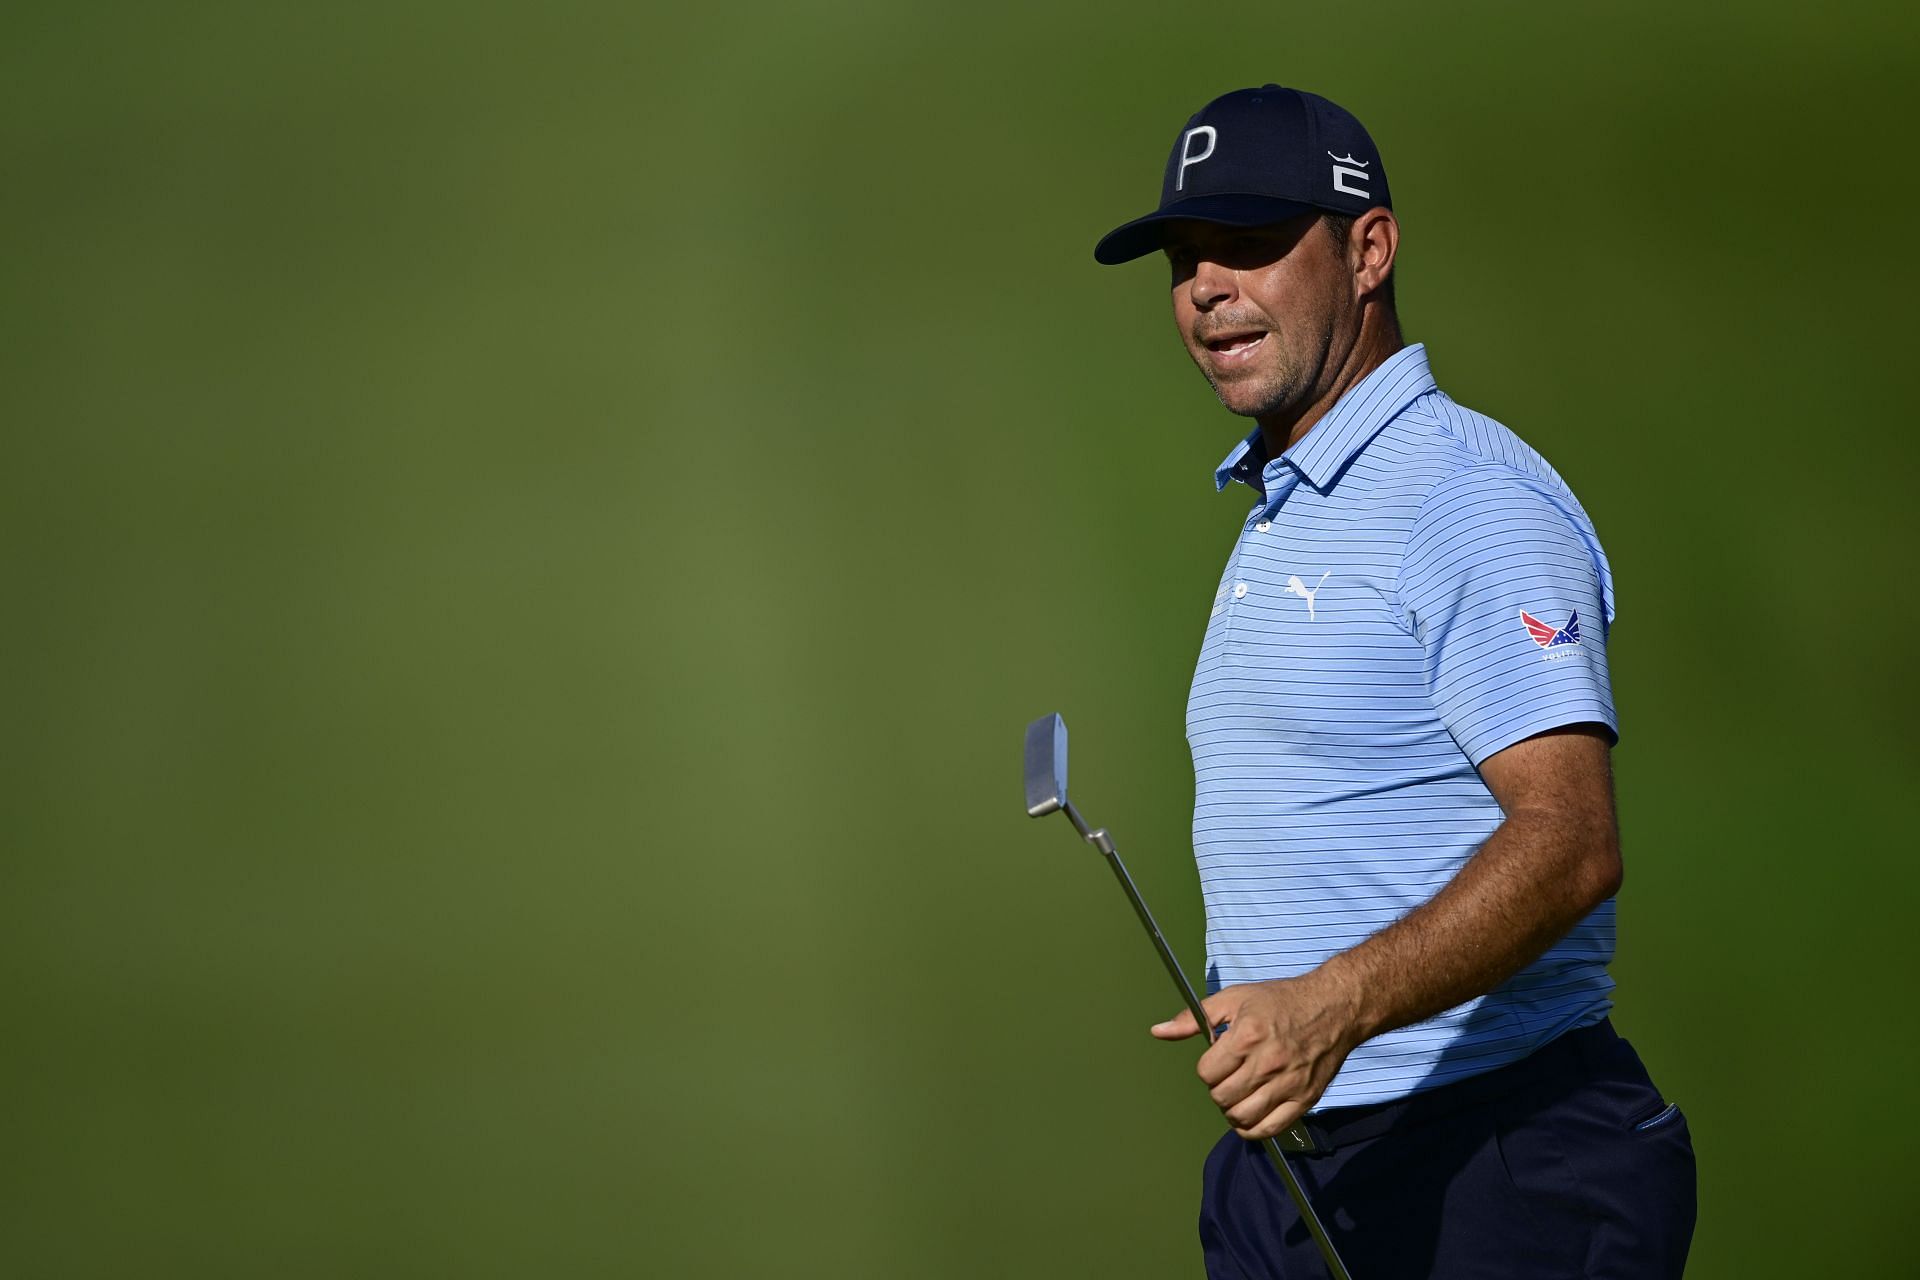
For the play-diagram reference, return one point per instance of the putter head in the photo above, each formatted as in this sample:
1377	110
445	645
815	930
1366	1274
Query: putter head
1046	766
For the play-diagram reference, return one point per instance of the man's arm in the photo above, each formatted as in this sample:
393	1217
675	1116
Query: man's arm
1554	859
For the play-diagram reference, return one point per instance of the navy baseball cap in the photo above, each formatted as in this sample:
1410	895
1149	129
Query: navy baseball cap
1256	156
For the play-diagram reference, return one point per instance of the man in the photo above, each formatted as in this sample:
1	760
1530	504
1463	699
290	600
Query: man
1400	725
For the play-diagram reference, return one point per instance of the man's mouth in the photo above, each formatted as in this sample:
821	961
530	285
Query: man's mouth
1228	348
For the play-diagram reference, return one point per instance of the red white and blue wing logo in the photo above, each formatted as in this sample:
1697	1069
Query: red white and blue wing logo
1548	636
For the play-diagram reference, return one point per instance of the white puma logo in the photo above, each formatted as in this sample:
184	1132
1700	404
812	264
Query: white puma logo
1299	588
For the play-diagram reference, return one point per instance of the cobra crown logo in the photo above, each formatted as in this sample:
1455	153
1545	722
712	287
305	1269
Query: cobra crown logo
1345	168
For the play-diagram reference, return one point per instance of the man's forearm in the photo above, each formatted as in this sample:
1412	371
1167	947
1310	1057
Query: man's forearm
1537	876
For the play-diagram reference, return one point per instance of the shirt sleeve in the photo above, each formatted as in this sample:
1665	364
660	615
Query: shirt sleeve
1505	585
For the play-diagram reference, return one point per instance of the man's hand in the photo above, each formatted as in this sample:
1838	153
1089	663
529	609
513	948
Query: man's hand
1287	1039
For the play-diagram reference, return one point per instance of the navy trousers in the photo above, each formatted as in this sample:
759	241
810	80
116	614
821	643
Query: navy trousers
1568	1163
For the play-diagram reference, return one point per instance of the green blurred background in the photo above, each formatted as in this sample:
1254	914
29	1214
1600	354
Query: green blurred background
531	534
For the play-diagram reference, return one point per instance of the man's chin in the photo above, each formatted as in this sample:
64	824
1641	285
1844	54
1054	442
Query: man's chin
1250	393
1245	400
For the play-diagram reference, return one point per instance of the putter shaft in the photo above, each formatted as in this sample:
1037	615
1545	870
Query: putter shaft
1099	839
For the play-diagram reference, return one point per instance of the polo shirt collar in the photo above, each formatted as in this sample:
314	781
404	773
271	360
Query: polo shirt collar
1331	443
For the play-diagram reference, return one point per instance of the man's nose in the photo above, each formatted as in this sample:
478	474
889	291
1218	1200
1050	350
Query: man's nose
1212	284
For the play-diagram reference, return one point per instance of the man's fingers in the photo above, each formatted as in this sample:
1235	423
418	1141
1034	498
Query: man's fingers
1178	1027
1283	1115
1219	1008
1219	1062
1245	1081
1255	1100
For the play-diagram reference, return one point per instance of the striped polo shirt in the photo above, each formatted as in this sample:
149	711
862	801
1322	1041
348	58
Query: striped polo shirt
1414	589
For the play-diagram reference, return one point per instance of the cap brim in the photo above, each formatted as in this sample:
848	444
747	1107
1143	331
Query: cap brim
1143	236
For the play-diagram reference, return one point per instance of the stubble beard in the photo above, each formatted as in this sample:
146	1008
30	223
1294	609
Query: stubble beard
1278	391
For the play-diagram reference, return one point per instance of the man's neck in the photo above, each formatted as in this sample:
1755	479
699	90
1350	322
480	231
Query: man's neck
1379	339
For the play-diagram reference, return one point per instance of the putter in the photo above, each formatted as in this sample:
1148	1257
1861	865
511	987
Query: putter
1047	793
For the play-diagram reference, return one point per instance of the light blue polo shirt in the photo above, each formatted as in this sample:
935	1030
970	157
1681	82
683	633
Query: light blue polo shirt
1414	589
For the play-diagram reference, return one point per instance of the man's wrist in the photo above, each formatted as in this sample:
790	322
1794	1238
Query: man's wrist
1344	986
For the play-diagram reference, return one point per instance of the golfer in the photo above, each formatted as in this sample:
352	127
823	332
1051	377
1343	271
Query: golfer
1400	723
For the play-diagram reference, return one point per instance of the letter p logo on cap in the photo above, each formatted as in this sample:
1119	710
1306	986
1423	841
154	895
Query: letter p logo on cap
1186	152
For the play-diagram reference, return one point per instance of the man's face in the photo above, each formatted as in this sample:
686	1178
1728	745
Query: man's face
1259	309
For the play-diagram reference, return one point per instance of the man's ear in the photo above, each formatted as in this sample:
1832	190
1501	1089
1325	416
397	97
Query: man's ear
1372	245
